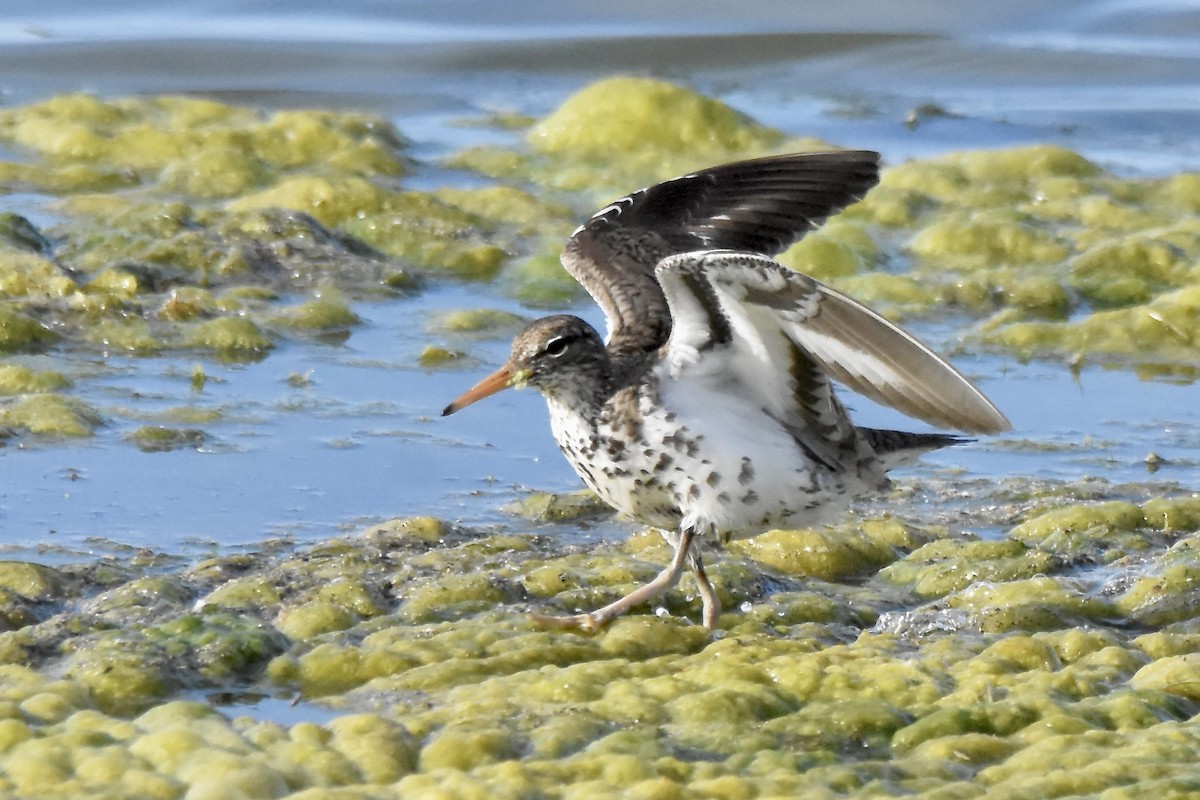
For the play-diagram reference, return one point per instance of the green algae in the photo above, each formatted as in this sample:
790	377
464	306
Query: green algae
546	506
652	116
831	553
970	241
229	335
50	414
33	277
197	146
1176	675
434	357
838	250
1172	515
948	565
328	201
313	619
1037	603
511	207
1165	589
218	201
1113	274
20	379
1101	532
623	132
1067	259
487	700
21	332
322	314
30	581
540	280
133	336
252	591
420	228
160	439
482	322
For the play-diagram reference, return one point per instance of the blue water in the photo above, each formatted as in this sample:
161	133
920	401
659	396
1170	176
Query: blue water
361	441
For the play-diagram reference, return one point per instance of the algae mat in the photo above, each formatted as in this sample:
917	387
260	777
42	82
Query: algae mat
898	654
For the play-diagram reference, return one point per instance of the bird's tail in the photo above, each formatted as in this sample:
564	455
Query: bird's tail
895	448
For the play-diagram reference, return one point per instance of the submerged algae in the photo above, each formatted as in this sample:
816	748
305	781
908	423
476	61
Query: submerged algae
158	438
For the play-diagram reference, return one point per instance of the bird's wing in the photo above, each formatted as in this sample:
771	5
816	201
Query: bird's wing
760	206
746	313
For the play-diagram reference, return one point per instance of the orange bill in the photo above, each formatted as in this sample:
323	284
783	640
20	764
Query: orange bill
498	381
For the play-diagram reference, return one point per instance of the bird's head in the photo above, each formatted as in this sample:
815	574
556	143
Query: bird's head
554	355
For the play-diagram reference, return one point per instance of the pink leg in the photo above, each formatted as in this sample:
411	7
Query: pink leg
662	582
712	603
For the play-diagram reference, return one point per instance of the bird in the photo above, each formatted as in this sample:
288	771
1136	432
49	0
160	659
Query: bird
709	410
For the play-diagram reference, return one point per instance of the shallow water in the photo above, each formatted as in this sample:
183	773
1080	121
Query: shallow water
360	440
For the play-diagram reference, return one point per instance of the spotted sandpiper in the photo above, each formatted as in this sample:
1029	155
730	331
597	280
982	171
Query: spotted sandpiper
709	412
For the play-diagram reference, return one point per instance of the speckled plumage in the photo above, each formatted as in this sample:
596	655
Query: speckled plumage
709	413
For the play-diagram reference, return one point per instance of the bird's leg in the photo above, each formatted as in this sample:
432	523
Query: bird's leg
662	582
712	603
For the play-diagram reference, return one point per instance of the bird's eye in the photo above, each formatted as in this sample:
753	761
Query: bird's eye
557	346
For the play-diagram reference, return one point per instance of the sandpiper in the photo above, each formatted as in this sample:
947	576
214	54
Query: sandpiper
709	411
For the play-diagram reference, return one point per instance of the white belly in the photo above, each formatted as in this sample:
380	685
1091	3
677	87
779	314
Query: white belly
703	456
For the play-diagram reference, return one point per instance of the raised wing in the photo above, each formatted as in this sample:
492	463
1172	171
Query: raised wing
754	312
760	206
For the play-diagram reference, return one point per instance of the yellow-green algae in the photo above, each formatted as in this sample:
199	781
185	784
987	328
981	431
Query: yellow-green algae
486	322
20	332
624	132
432	356
322	314
20	379
545	506
416	631
197	146
229	335
159	438
49	414
583	124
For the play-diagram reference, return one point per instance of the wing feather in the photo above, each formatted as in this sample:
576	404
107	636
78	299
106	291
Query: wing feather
767	307
759	206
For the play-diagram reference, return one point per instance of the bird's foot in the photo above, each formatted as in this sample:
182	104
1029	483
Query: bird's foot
594	621
587	623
